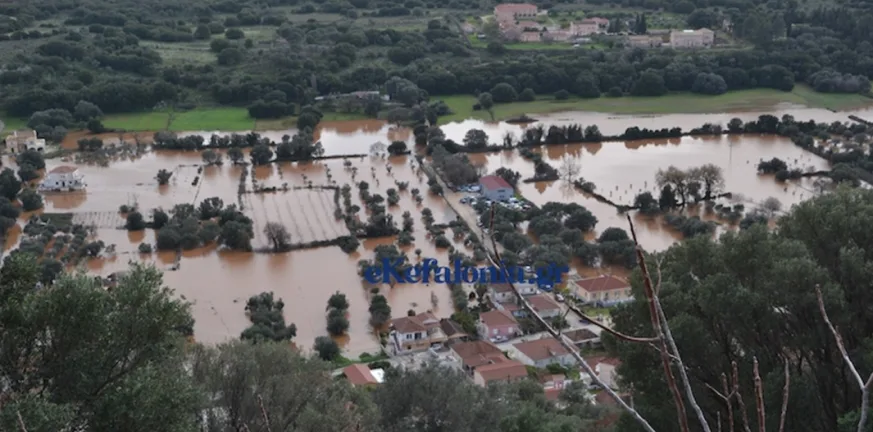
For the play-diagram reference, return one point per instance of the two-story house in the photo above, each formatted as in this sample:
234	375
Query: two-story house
502	292
543	352
498	325
605	368
416	333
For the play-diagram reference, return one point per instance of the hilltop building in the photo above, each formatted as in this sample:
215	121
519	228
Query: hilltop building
508	12
702	38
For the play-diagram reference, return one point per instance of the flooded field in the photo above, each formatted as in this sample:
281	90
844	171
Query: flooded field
218	283
621	170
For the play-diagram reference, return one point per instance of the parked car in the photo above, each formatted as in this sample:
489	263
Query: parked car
560	298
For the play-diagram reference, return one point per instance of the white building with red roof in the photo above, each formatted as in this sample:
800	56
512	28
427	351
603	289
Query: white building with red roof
63	178
605	289
496	188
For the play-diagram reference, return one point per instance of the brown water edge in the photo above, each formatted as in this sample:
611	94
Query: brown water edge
356	136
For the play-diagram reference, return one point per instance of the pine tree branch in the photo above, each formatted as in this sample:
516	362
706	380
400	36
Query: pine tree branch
656	326
864	385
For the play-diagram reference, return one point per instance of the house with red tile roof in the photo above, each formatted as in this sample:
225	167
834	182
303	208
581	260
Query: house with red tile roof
503	293
416	333
475	354
498	325
505	371
360	375
541	303
495	187
605	367
543	352
605	289
583	337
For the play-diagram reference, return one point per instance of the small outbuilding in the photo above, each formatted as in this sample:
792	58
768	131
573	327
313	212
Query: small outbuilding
496	188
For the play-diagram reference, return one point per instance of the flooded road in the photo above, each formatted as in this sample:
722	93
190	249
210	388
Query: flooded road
219	283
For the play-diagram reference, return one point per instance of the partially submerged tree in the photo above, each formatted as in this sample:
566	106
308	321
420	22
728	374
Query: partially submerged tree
278	236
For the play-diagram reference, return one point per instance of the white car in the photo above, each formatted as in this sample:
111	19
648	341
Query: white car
560	298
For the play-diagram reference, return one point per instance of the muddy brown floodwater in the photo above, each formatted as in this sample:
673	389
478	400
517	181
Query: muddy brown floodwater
218	283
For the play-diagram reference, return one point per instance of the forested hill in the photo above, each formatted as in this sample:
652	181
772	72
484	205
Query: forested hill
133	55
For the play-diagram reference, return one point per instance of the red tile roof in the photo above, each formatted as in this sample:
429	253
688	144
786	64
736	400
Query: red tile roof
507	370
477	353
541	349
542	303
497	318
63	169
493	182
359	374
513	7
593	361
419	323
501	287
602	283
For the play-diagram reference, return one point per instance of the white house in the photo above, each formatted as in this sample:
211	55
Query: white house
416	333
496	188
502	292
22	140
63	178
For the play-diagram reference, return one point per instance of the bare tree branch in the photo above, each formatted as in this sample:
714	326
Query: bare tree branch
21	421
759	396
864	385
606	328
736	392
683	374
264	413
727	400
563	339
784	413
718	418
656	325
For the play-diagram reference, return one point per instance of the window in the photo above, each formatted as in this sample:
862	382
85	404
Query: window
408	336
495	332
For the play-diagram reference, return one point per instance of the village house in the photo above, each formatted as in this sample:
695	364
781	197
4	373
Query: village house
474	354
502	292
604	289
645	41
585	27
702	38
416	333
359	375
498	325
495	187
22	140
604	367
453	331
504	371
529	26
557	36
583	338
530	36
514	11
63	178
543	305
553	385
543	352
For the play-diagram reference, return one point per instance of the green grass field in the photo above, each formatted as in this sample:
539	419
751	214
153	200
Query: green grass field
237	119
745	100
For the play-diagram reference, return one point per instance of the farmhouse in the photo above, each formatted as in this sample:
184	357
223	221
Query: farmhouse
23	140
496	188
514	11
604	289
692	38
63	178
